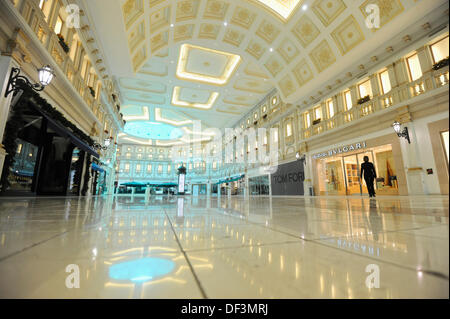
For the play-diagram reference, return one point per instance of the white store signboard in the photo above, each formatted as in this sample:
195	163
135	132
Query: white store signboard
341	150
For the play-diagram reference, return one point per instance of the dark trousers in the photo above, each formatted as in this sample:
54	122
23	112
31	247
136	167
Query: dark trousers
370	186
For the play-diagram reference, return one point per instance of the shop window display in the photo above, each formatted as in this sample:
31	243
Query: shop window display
340	175
334	181
22	171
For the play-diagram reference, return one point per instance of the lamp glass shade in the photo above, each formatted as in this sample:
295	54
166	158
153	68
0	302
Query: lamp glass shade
397	127
45	75
107	142
297	155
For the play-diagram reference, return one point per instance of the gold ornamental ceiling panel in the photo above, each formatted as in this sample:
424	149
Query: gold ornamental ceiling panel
205	65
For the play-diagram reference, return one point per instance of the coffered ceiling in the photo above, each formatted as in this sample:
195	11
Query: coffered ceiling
212	60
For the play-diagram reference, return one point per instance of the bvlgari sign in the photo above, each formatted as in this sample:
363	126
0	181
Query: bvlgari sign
341	150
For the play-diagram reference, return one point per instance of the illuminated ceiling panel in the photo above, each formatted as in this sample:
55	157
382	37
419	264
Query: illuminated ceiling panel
281	8
160	118
142	113
206	65
176	100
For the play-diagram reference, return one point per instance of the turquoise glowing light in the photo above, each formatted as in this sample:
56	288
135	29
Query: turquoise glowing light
152	130
141	270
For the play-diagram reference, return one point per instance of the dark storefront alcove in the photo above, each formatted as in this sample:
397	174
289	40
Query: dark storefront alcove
46	156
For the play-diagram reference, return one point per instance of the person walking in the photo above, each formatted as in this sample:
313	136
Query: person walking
368	169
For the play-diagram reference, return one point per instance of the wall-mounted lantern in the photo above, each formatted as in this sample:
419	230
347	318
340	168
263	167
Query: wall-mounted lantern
45	75
401	133
301	158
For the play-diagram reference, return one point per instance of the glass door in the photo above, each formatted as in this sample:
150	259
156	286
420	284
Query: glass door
334	179
351	168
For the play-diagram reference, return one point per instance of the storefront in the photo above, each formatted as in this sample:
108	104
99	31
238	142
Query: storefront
259	185
47	155
99	179
439	137
235	185
337	170
199	189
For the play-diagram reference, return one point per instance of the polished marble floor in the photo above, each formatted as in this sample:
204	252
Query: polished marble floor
199	247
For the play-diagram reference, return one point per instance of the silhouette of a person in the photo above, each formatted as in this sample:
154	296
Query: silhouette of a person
368	169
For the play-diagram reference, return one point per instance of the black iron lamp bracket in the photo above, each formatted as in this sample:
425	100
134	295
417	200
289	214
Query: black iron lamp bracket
98	146
405	134
14	86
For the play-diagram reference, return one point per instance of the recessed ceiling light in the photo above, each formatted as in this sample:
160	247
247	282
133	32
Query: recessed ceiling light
271	49
225	23
171	25
305	7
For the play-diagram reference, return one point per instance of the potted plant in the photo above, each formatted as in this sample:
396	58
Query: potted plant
441	64
63	43
364	99
92	91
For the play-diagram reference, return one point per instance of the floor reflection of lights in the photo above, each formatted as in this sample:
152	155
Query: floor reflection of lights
133	268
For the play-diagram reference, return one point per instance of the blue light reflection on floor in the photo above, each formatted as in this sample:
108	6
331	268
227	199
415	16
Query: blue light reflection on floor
141	270
152	130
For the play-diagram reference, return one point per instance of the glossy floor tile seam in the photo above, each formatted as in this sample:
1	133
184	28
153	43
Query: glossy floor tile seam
405	267
318	241
186	257
34	245
194	250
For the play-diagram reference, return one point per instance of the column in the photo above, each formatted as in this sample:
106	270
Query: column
425	59
6	63
414	170
270	187
376	92
394	83
208	189
307	184
246	188
402	76
354	93
147	194
374	84
415	174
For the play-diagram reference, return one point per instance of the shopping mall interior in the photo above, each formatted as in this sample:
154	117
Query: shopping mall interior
224	149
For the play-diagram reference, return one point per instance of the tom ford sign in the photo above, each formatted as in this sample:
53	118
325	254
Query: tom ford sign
288	179
341	150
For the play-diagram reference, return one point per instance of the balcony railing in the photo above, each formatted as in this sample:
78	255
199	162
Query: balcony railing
428	82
